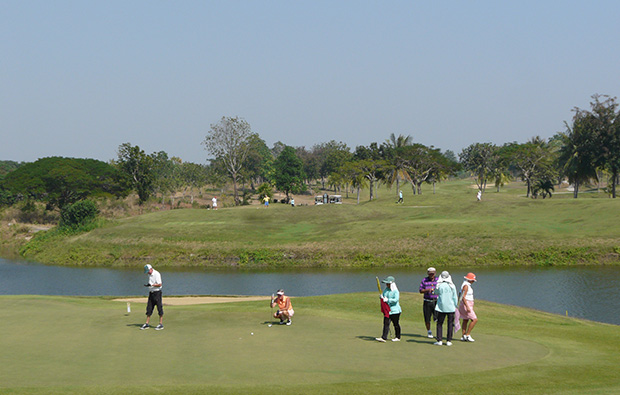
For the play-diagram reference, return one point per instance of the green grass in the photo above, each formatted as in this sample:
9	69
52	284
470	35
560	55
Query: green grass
449	227
90	345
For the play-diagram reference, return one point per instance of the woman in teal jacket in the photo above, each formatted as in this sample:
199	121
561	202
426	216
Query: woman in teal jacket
447	302
391	296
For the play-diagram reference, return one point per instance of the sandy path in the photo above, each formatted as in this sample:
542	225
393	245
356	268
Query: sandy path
187	300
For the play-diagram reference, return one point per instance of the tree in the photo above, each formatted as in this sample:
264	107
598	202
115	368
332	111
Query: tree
478	160
576	158
193	176
62	181
139	167
258	166
544	187
331	156
289	172
601	126
353	171
229	141
393	154
532	159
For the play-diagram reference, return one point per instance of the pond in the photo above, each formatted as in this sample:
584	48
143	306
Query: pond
589	292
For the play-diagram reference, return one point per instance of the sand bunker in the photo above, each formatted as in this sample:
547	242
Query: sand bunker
188	300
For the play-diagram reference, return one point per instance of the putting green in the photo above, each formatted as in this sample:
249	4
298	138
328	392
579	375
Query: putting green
67	342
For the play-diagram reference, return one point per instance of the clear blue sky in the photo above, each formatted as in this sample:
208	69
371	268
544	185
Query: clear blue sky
79	78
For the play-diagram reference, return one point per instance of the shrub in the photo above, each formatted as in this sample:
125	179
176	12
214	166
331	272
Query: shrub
78	214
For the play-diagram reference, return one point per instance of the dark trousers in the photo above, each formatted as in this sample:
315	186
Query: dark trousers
386	325
154	300
428	309
440	319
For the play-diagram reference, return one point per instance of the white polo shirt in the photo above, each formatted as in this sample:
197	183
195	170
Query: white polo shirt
154	278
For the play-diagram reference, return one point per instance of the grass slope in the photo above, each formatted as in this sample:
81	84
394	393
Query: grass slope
446	228
90	345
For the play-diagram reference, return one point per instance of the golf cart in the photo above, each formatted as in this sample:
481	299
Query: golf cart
318	199
335	199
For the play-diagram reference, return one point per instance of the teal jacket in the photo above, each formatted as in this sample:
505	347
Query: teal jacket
446	298
392	300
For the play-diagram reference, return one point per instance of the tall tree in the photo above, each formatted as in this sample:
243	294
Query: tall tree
139	167
478	160
331	156
193	177
533	160
602	122
258	166
229	141
393	154
289	172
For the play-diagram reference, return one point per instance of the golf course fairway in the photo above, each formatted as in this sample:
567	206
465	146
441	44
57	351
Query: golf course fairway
56	344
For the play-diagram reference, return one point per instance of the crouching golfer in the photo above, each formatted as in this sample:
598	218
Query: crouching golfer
285	308
391	296
154	285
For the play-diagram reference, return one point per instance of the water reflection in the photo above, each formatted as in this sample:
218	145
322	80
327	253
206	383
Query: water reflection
583	292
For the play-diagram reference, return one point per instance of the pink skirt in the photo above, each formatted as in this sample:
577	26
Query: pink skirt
464	314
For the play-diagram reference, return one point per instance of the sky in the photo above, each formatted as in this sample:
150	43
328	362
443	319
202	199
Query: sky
80	78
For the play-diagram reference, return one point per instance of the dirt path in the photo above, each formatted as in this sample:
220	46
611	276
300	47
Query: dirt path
188	300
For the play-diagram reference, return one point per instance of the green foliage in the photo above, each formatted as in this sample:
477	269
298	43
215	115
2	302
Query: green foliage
78	214
61	181
138	168
265	189
289	172
7	166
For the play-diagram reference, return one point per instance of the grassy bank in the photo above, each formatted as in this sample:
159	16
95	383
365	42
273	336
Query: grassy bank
448	227
91	345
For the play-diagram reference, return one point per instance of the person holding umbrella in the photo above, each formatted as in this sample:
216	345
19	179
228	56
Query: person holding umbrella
391	296
154	284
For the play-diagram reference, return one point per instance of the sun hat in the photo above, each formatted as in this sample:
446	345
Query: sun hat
147	267
388	280
444	277
431	269
470	277
280	292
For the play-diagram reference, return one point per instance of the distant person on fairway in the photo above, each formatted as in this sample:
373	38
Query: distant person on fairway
427	287
400	197
447	301
266	200
214	200
154	284
466	307
285	308
292	201
391	296
479	195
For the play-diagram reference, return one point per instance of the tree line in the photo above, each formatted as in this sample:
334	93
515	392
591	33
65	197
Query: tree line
588	150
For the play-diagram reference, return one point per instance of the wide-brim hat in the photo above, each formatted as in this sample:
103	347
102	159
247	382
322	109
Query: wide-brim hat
470	277
147	267
431	270
388	280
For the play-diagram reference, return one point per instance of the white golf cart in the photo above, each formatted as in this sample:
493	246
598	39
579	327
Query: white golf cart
335	199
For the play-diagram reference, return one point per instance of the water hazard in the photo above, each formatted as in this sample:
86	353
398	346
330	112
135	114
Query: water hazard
589	292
